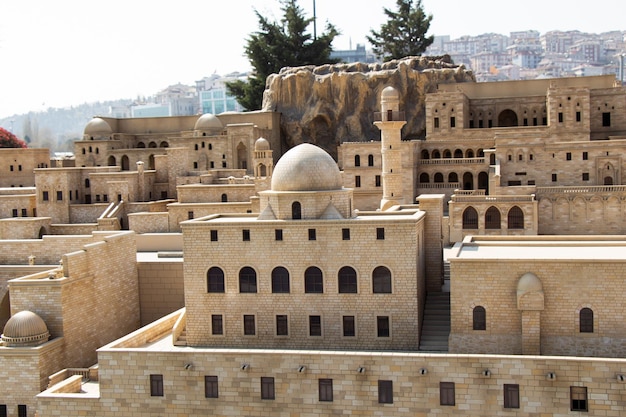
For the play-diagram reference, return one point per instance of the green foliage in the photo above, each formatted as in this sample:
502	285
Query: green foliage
9	140
404	34
277	45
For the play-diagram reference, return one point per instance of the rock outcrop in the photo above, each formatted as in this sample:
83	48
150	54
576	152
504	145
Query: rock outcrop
331	104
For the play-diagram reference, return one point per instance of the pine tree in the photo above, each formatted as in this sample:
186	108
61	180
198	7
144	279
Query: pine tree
277	45
404	34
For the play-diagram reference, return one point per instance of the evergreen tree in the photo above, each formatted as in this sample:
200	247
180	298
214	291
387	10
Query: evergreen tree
277	45
404	34
9	140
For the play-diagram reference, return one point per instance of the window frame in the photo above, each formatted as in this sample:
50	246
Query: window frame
315	329
511	395
156	385
22	410
217	325
585	320
249	325
248	280
211	386
381	284
347	280
325	389
447	393
215	284
380	233
312	234
579	398
479	318
313	284
268	388
280	280
385	330
278	234
282	325
348	326
385	391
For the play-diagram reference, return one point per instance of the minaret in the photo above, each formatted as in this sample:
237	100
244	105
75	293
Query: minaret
390	125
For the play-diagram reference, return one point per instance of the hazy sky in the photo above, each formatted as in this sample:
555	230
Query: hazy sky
67	52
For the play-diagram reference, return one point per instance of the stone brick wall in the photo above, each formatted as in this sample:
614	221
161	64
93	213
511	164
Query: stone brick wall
161	289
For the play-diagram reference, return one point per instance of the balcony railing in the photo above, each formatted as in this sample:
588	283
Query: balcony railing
493	198
452	161
396	116
582	190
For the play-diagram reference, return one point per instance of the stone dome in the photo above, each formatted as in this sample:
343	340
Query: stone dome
25	329
389	93
261	144
306	167
209	122
529	283
97	127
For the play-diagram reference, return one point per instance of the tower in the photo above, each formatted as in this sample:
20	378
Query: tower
390	124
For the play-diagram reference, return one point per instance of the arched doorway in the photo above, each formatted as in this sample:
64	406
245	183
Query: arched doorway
483	181
468	181
125	163
151	162
507	118
296	210
111	162
608	180
242	156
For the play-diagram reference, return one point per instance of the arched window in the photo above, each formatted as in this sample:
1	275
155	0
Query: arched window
492	218
469	153
141	145
111	161
347	280
247	279
447	154
438	177
280	280
357	160
458	153
516	218
479	318
215	279
296	210
470	218
586	320
381	280
224	198
164	145
425	154
313	280
370	160
424	178
436	154
453	177
87	183
152	145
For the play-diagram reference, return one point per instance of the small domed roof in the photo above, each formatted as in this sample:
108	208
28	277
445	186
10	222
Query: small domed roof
261	144
25	329
97	127
306	167
210	122
389	93
529	283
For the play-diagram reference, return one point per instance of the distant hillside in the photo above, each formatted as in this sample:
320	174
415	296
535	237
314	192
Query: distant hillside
54	128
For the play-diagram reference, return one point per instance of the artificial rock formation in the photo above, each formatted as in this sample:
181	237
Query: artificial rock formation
330	104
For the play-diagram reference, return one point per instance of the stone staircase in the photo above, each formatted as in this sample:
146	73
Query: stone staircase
182	339
436	325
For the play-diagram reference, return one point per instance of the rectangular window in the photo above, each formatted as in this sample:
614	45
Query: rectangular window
11	168
190	215
44	196
568	156
267	388
357	181
446	393
282	327
490	123
560	117
606	119
278	234
578	118
380	233
312	234
3	410
436	122
245	235
531	182
14	212
585	156
471	124
585	176
385	392
210	387
578	398
553	177
453	121
511	396
59	195
156	385
525	122
70	195
377	180
480	124
213	235
534	121
345	234
382	326
217	324
249	328
105	197
315	325
349	328
326	389
22	410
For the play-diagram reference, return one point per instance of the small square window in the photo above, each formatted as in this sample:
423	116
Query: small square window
446	393
511	396
282	326
315	325
267	388
349	328
578	399
213	235
585	156
312	234
345	234
278	234
382	326
325	389
380	233
59	195
385	392
585	176
249	328
190	215
245	235
156	385
217	325
210	387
